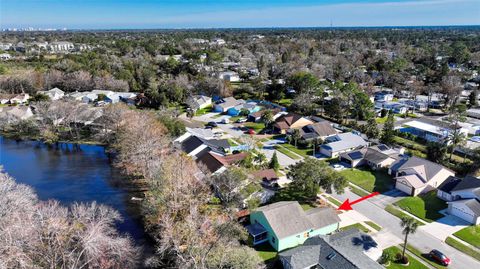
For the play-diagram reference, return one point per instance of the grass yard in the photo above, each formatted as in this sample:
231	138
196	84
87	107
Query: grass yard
425	257
356	225
204	111
394	211
256	126
373	225
306	206
334	201
302	152
291	194
463	248
287	152
369	180
266	252
358	191
470	235
414	263
285	101
424	206
381	120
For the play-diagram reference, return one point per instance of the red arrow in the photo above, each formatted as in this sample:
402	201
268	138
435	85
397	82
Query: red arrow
347	205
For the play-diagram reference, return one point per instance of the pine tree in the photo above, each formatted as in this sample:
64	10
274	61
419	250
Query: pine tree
274	162
388	132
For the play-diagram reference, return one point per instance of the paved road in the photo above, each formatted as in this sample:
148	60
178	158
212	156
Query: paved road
392	232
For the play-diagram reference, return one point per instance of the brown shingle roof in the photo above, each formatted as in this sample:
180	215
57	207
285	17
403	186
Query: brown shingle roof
267	174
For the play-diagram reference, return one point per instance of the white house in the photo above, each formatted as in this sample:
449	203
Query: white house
341	143
53	94
218	42
463	198
227	103
229	76
5	56
430	129
61	46
20	99
196	102
414	175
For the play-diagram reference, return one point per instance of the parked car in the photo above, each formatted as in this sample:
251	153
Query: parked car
225	121
338	167
212	124
440	257
251	132
241	120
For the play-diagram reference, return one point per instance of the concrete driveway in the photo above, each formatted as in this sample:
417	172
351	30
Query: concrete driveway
444	227
269	148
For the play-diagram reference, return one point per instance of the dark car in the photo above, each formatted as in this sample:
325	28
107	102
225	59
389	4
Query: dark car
440	257
212	124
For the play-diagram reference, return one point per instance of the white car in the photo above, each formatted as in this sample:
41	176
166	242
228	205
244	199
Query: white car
475	139
241	120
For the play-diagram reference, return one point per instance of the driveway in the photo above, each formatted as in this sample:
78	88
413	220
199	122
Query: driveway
269	148
444	227
392	232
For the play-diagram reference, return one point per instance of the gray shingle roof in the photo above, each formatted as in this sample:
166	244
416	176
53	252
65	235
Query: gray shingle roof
474	205
345	141
430	168
468	182
348	247
288	218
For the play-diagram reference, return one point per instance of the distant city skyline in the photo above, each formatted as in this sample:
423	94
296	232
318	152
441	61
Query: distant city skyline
149	14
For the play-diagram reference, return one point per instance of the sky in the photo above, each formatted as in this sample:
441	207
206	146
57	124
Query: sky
160	14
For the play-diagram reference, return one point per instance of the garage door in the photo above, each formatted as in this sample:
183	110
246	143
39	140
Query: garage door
405	188
457	211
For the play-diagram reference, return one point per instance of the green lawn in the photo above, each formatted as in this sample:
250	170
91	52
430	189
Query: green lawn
334	201
381	120
392	210
290	194
359	226
266	252
373	225
424	206
414	263
358	191
204	111
287	152
463	248
256	126
285	101
470	235
369	180
306	206
301	152
425	257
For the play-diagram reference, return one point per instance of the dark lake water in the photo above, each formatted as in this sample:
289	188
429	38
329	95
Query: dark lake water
73	173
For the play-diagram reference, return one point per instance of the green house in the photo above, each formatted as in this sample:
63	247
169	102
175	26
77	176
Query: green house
286	225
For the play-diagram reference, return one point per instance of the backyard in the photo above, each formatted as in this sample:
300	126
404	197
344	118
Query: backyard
266	252
414	263
470	235
424	206
369	180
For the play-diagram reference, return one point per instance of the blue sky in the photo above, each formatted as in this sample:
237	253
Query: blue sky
107	14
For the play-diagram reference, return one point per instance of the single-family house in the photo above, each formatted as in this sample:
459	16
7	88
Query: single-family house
250	107
415	175
463	198
53	94
194	145
20	99
318	130
268	177
383	96
290	121
257	116
340	143
285	224
197	102
230	76
430	129
395	107
376	157
474	113
226	103
14	113
350	249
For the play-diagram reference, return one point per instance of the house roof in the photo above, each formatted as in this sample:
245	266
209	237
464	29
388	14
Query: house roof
472	204
370	154
318	129
425	168
322	216
288	218
216	144
468	182
345	141
230	102
191	143
210	162
349	248
449	184
285	121
414	180
266	174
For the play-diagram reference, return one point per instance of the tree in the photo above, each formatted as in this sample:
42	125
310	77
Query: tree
303	82
457	114
295	136
473	99
436	151
388	132
363	107
267	118
260	158
409	226
227	186
311	174
274	162
371	128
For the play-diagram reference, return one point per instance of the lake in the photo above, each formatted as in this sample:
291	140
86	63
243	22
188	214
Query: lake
74	173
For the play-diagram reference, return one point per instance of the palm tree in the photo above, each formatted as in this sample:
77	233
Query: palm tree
267	118
455	138
295	136
410	226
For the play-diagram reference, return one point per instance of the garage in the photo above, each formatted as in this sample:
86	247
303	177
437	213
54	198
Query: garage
463	211
403	186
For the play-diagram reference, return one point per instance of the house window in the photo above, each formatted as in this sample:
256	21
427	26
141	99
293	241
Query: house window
273	240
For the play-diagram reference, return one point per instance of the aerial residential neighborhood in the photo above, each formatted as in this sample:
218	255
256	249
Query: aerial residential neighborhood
240	135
